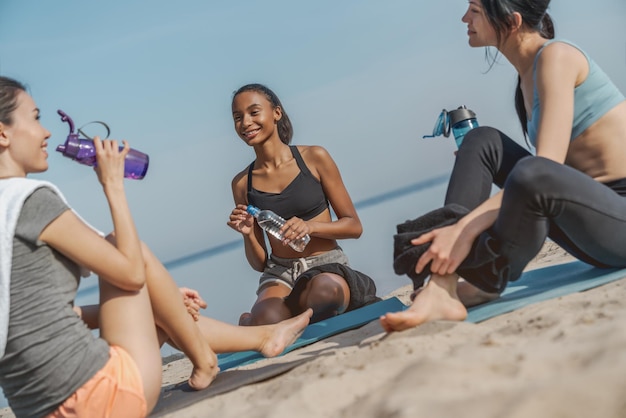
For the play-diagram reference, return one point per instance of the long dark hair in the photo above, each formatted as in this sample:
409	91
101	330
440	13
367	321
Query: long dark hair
285	129
534	16
9	90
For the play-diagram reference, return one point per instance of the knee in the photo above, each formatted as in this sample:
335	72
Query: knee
269	311
480	138
328	296
531	175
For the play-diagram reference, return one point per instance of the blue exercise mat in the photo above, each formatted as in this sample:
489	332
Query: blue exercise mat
321	330
543	284
180	395
534	286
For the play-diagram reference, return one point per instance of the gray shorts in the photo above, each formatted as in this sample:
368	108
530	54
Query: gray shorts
286	270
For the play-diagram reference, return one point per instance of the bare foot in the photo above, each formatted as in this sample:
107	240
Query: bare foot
201	378
244	319
436	301
470	295
282	334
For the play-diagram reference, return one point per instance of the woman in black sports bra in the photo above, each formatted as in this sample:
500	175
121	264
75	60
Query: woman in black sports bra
298	183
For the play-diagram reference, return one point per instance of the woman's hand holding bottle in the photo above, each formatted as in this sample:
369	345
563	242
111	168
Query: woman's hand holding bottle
241	221
110	167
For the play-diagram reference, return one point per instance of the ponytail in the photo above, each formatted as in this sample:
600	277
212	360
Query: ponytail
546	30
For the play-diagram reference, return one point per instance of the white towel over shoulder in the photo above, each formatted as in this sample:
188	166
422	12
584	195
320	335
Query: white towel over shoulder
13	193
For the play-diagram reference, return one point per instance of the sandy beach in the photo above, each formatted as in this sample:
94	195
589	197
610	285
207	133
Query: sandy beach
564	357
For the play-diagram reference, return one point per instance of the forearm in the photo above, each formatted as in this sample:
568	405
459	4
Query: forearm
344	228
483	217
255	253
126	237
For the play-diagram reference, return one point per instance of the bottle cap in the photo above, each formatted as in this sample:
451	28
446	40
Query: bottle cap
71	147
253	210
462	113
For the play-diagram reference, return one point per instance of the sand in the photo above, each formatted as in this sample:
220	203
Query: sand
564	357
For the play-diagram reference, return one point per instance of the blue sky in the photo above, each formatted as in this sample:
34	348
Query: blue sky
365	79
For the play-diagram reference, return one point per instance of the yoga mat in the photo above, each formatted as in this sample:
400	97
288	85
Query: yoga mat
179	396
534	286
320	330
543	284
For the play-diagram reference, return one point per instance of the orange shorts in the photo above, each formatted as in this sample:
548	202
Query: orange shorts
115	391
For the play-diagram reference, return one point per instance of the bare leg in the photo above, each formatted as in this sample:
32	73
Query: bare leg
126	320
328	294
269	308
468	294
172	318
269	340
438	300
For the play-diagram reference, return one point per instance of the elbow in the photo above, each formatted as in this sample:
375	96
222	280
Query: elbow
134	283
258	267
358	229
138	283
135	278
351	227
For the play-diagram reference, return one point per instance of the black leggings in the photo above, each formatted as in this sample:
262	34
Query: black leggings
541	199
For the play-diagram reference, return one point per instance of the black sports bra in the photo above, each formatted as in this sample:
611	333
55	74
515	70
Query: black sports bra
303	197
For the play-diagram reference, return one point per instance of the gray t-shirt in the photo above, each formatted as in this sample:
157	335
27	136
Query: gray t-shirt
50	352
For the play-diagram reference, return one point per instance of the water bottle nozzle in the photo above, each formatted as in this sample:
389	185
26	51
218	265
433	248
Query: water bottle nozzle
66	118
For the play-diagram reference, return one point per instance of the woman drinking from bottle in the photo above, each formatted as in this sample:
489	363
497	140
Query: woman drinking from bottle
50	362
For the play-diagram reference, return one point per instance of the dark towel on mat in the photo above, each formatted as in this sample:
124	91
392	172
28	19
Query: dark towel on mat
405	254
362	287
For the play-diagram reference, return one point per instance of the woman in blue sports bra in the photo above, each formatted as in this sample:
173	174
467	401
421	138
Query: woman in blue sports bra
571	190
298	183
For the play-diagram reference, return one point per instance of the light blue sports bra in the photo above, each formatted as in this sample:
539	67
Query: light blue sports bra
592	98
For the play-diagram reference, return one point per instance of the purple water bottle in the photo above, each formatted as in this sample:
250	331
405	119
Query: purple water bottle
83	151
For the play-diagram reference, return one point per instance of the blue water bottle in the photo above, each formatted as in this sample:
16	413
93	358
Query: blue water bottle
460	121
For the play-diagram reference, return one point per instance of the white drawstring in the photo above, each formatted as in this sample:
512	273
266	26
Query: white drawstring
299	266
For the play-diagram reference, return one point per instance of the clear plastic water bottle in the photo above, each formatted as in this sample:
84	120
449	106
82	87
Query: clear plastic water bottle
462	120
271	222
83	151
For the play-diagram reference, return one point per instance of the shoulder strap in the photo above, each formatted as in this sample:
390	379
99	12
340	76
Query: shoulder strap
539	53
301	165
250	176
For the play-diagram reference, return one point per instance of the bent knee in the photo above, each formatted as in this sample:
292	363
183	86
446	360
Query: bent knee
329	295
533	174
481	137
269	311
